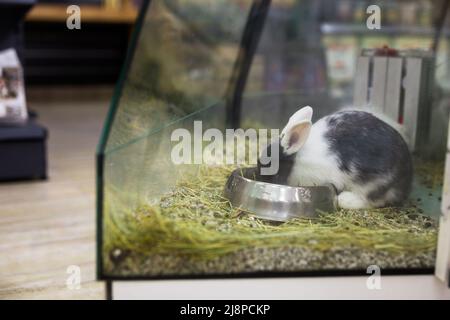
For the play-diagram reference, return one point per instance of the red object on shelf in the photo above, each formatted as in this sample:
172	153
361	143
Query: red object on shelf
386	51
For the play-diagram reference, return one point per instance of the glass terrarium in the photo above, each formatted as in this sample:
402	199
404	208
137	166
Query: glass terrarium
197	69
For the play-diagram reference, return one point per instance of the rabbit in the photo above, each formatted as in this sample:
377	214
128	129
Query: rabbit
366	159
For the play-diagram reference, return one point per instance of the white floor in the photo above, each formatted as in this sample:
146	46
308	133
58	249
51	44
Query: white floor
392	287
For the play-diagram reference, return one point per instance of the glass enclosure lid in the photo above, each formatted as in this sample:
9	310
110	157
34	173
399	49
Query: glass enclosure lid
197	69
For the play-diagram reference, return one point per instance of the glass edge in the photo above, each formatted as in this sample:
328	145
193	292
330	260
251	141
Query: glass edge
153	131
106	130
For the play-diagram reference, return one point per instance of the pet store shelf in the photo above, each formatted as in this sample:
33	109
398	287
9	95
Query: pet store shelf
94	54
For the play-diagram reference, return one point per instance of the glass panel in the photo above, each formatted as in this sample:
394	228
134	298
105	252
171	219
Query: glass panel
256	63
182	63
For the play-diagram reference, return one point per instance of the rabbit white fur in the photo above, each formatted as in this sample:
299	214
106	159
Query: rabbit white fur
365	158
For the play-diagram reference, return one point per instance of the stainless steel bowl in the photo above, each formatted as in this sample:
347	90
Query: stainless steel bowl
277	202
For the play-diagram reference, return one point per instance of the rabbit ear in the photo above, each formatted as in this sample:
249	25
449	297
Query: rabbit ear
304	113
296	132
295	137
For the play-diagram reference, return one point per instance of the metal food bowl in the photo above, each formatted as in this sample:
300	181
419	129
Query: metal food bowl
277	202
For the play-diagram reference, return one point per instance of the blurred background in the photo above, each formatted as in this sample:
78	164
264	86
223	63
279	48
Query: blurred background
47	193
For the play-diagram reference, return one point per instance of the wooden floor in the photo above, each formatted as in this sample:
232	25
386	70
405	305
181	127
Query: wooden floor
47	226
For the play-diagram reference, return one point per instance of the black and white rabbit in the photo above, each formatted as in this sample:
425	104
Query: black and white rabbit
364	157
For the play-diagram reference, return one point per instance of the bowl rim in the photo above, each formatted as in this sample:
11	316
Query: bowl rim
237	173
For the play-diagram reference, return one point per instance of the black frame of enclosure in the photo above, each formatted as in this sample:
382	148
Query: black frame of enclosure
233	96
249	42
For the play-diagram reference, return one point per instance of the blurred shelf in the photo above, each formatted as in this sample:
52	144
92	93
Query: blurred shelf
94	54
89	14
361	29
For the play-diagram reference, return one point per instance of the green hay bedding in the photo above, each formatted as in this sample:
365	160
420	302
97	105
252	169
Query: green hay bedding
195	230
